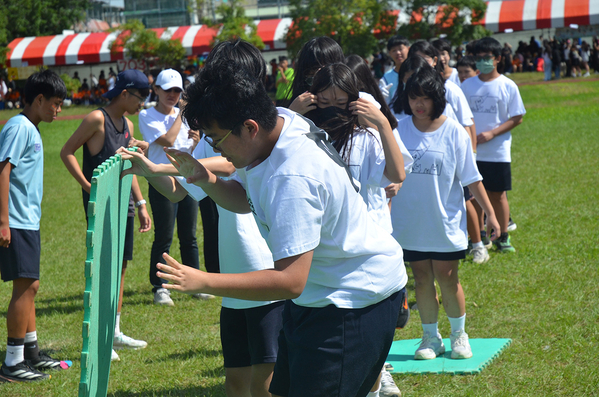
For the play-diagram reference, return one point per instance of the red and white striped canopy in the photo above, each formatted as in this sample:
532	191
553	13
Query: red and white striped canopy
93	47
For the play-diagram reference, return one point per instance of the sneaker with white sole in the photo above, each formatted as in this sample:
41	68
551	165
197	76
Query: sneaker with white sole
21	372
460	345
430	347
44	361
388	386
123	341
202	297
480	255
162	296
114	356
511	226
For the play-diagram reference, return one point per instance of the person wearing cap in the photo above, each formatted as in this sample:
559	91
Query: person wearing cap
100	134
161	126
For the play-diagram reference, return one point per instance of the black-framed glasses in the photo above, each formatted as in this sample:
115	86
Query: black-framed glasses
484	58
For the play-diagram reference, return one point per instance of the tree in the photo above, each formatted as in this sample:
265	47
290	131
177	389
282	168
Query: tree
458	20
352	24
234	24
144	44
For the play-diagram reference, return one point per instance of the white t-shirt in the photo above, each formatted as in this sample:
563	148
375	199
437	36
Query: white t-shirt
493	103
429	213
369	98
153	125
447	112
454	77
457	100
304	201
241	248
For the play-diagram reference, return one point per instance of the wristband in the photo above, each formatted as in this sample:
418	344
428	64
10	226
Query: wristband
140	203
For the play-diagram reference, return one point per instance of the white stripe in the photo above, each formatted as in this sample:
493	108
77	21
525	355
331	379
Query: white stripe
169	32
16	58
280	32
557	13
529	14
51	49
492	17
105	48
71	56
594	12
189	37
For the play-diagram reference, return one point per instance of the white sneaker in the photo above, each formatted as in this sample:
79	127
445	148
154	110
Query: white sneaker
114	356
460	346
388	386
430	347
587	74
122	341
479	255
162	296
202	297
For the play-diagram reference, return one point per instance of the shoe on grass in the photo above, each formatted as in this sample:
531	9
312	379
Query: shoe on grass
388	386
430	347
511	226
503	244
162	296
486	241
21	372
114	356
460	345
123	341
44	361
202	297
480	255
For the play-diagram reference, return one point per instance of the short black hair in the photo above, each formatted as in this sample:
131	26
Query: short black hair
468	61
282	58
426	82
488	44
429	50
411	64
227	95
45	82
397	40
243	53
442	45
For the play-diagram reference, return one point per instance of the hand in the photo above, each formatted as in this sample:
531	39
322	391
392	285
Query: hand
385	90
4	235
368	114
493	225
140	165
143	145
303	103
187	166
484	137
145	222
392	190
181	278
195	135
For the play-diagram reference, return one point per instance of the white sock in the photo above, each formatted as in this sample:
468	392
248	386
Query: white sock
117	325
14	355
457	324
431	329
374	393
478	245
31	337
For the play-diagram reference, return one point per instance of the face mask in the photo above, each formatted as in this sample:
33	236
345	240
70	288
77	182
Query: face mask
485	66
320	116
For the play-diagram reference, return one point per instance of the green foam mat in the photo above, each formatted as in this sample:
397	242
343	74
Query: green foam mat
401	357
107	220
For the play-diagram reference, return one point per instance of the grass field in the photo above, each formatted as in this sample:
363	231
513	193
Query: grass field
545	297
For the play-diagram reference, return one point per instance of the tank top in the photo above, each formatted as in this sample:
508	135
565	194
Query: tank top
113	139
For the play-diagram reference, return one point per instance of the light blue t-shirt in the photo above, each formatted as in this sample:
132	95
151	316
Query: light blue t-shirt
21	143
391	77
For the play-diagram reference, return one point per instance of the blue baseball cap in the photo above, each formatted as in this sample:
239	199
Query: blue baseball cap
131	78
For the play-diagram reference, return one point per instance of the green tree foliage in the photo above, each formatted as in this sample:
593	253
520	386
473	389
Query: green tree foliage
452	22
233	23
143	44
349	23
71	84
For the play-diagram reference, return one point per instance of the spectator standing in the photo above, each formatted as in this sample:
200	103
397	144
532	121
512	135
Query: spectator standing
284	81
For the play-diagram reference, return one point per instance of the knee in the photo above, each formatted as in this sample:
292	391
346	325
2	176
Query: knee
235	386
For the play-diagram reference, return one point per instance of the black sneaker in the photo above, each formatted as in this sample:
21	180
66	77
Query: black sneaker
44	362
404	312
21	373
486	241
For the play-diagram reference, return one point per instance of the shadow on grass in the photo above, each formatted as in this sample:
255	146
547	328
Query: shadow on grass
187	355
195	391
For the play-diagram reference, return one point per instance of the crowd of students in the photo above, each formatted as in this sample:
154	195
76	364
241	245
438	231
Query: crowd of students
320	202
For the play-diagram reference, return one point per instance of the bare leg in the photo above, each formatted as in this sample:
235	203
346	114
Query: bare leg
472	222
21	309
426	293
237	381
501	208
120	304
261	377
446	273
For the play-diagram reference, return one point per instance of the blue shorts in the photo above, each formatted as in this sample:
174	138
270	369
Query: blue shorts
333	352
22	257
249	336
414	256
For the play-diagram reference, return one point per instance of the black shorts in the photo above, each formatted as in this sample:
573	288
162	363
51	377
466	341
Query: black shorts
467	195
22	257
128	249
250	336
415	256
497	177
328	351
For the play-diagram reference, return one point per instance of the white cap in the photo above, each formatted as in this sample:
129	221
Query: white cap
168	79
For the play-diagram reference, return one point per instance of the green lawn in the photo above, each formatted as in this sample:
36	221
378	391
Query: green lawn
544	297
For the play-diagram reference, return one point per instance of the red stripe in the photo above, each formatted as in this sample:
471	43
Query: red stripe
180	33
11	47
266	31
89	52
159	31
34	53
60	58
544	14
201	43
577	11
118	53
510	15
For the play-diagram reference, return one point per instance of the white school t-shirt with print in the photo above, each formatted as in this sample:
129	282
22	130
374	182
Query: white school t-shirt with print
241	248
153	125
429	213
454	77
303	201
447	112
493	103
457	100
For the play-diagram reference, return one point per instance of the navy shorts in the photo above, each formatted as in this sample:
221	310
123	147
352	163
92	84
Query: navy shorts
129	229
22	257
467	195
414	256
328	351
250	336
497	177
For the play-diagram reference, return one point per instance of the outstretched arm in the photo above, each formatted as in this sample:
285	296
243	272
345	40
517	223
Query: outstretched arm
480	194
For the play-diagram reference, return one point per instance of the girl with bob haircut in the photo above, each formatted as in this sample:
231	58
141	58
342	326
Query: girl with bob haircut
429	214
